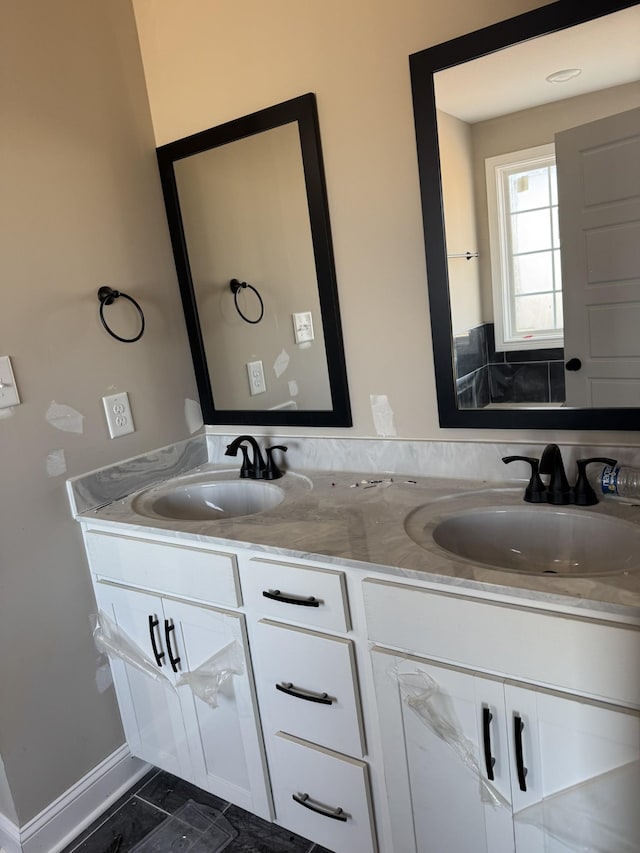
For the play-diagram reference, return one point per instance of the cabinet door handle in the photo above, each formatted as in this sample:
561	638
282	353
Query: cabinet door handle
153	624
168	628
489	761
288	688
276	595
306	801
518	726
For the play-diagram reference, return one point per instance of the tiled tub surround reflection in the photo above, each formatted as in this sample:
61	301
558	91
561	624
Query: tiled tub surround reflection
346	520
518	377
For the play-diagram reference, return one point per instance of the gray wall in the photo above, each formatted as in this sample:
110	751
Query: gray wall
6	800
81	207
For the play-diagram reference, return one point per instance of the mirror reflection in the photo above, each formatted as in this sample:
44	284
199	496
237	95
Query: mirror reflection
511	298
247	211
244	210
539	150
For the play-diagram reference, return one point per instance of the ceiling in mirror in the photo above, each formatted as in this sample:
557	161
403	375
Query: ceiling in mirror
605	51
532	220
247	211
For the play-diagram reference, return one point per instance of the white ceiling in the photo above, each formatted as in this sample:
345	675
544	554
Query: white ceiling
607	50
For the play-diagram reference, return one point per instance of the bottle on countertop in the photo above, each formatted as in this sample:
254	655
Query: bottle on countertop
620	481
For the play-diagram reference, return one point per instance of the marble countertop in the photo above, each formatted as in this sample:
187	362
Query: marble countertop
358	520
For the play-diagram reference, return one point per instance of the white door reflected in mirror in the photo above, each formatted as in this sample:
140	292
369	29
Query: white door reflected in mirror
599	192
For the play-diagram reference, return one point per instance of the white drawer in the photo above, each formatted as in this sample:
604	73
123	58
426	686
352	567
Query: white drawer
309	595
308	686
325	782
205	575
587	656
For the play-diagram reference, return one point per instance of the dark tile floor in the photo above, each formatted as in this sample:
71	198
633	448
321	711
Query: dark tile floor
158	795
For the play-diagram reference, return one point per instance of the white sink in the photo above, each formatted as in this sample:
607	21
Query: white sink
196	499
532	539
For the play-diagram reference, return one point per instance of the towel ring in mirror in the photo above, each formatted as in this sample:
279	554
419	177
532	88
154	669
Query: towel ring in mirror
236	286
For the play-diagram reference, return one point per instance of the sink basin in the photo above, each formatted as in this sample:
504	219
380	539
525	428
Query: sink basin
201	500
530	539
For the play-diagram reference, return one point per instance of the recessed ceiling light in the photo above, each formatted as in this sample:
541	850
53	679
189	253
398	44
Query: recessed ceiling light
563	75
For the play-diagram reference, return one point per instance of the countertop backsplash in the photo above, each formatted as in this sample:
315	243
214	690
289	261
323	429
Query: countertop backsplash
469	460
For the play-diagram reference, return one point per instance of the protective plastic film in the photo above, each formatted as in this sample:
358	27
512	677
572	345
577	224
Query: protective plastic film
114	642
206	681
209	678
424	696
600	815
193	828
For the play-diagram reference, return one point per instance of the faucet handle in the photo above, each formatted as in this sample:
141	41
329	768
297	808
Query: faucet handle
536	491
271	471
584	494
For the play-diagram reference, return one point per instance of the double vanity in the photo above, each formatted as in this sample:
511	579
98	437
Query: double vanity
375	661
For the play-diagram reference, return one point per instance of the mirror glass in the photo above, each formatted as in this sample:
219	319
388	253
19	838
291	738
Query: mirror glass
248	215
528	139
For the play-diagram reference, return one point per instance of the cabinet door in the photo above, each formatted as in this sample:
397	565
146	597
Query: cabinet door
225	741
150	709
444	715
581	783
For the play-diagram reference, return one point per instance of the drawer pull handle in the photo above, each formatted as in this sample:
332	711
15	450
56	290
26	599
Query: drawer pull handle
276	595
306	801
168	628
288	688
518	726
489	761
153	624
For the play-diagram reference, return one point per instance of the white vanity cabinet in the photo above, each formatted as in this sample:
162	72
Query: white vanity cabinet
447	729
309	698
458	688
166	723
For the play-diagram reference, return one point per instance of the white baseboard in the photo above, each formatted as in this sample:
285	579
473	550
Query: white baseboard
9	836
62	820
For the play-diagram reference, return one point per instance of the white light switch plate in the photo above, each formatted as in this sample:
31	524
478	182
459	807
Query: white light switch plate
118	413
8	388
302	327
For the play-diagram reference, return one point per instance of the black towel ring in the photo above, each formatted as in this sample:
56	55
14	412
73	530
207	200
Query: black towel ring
107	296
236	286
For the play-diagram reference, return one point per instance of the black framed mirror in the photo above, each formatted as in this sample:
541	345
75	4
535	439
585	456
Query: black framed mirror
248	217
550	408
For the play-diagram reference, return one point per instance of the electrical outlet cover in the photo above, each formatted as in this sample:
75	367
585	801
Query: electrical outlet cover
118	414
255	372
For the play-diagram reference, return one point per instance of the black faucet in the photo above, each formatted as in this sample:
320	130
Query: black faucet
250	470
558	491
257	468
